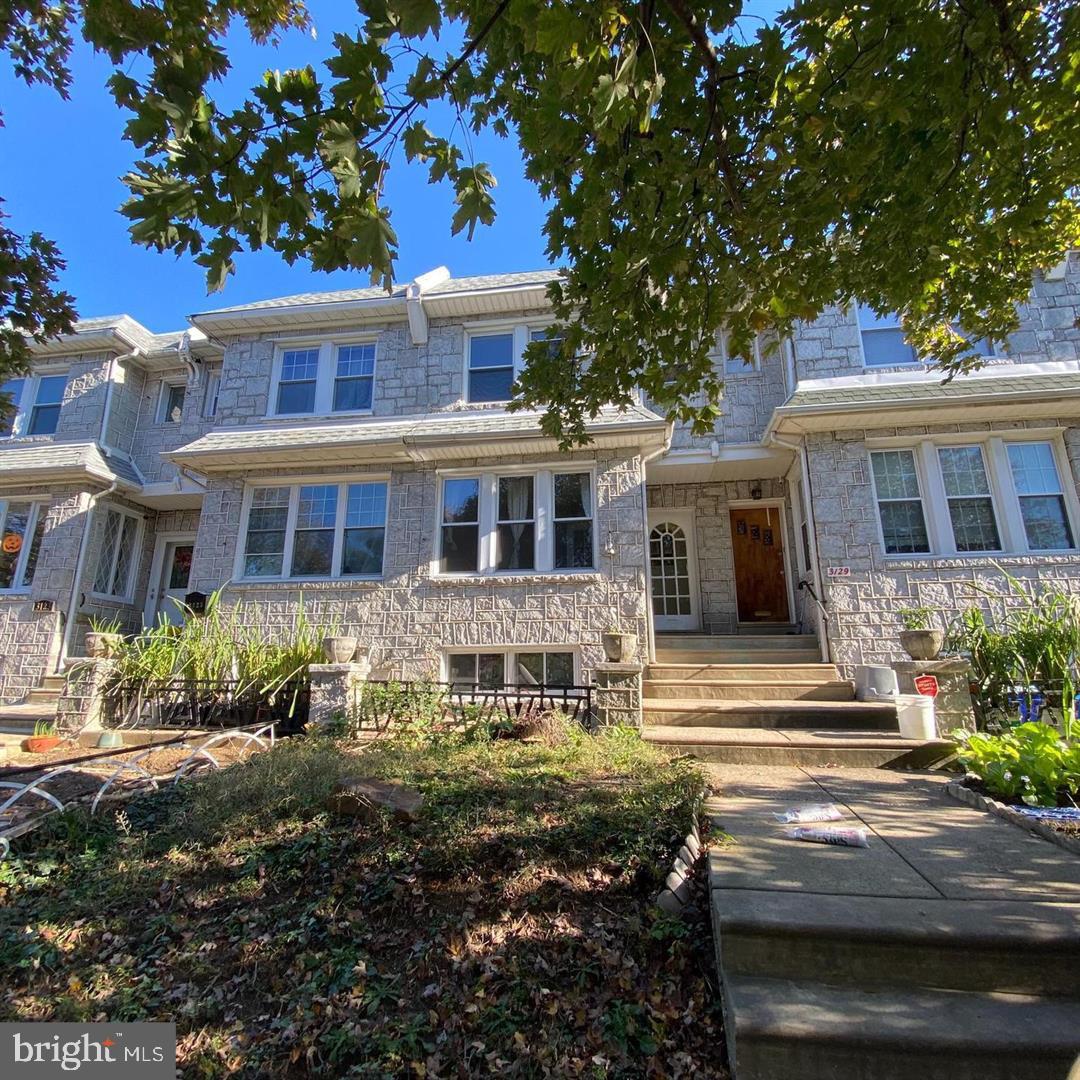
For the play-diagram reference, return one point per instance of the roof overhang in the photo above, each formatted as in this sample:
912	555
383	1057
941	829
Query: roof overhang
448	437
750	461
110	339
182	493
59	463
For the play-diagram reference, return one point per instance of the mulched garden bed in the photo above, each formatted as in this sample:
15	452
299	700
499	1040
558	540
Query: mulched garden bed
511	930
1065	834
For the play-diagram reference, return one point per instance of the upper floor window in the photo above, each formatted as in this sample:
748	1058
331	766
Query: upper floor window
739	363
518	522
12	391
985	497
23	526
330	377
117	555
315	530
171	407
883	341
210	395
491	367
35	405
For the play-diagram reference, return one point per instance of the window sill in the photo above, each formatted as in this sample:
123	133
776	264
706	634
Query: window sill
125	600
317	584
15	594
537	577
979	561
320	416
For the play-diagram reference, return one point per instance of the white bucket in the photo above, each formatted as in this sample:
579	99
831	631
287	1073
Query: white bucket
916	715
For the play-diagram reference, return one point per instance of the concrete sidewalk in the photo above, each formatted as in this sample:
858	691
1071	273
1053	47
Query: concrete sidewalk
950	947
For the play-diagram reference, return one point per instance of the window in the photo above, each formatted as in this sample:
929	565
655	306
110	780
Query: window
171	410
896	482
1040	495
494	670
45	413
210	397
573	521
116	555
18	554
315	531
296	384
971	506
354	378
883	339
12	391
518	522
739	363
491	367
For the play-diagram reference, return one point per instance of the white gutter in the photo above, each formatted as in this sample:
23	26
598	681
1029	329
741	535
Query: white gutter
80	566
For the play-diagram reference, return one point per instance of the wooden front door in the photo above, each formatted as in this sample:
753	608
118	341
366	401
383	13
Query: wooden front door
757	541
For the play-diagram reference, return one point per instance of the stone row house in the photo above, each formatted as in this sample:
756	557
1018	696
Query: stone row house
351	452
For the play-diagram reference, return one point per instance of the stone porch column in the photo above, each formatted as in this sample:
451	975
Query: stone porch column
82	701
952	706
617	694
335	690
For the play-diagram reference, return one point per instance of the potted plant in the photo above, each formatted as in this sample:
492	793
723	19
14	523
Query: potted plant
919	640
44	738
338	648
620	647
104	638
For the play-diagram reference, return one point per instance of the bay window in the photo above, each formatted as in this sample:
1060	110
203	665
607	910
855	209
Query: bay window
22	526
323	379
989	496
314	530
117	555
516	522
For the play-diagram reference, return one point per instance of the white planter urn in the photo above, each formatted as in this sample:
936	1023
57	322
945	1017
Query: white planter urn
339	650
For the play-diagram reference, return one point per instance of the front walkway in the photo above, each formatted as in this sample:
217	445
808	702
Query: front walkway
948	948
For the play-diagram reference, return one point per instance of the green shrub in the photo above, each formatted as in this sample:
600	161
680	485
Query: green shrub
916	618
1030	762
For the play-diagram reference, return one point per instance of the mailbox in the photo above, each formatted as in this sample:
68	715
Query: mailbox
196	602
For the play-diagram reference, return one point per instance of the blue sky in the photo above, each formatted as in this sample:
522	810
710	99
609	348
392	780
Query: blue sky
61	163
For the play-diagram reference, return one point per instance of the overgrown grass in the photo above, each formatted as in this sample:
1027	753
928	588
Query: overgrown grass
508	931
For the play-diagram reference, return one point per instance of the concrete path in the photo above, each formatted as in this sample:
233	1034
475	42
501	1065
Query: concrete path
950	947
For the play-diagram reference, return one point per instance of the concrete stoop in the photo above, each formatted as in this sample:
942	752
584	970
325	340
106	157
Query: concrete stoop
947	950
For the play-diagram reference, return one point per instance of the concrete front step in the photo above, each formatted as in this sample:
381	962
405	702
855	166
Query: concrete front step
779	1029
693	672
43	695
673	655
986	945
823	748
715	642
745	712
773	629
743	689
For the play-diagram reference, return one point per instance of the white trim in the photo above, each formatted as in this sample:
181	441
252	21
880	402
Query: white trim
128	594
780	505
24	406
965	438
167	385
157	571
543	508
325	373
686	519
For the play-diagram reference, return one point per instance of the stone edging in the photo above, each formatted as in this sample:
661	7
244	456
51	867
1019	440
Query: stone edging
982	802
676	891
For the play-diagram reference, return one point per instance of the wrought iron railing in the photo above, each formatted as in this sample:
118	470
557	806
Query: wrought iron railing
194	703
383	703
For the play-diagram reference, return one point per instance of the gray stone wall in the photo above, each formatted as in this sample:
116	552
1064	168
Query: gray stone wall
712	542
408	618
129	381
863	608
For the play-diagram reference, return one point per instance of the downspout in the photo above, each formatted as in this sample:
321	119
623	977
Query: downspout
107	411
650	637
80	566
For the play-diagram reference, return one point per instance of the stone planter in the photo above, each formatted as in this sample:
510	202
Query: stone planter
922	644
41	744
339	650
619	648
100	645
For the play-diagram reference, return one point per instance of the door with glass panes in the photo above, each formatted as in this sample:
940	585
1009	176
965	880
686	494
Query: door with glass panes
673	571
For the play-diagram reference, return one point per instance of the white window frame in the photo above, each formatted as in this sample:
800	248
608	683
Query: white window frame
992	493
520	329
128	595
918	362
1006	504
924	501
210	394
509	653
294	484
325	375
164	392
721	353
544	517
40	505
24	404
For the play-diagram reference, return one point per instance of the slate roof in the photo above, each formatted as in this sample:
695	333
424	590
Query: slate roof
34	461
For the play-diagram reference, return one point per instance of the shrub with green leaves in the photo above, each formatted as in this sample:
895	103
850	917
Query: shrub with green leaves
1030	762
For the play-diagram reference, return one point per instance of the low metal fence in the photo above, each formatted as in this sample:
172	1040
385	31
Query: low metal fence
193	703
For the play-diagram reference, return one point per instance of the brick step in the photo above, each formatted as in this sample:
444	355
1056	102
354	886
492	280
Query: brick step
692	672
822	747
989	945
834	715
673	655
778	1029
739	690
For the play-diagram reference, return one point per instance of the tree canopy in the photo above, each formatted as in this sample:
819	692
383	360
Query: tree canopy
705	170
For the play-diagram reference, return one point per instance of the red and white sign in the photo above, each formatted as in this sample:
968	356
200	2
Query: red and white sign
926	684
